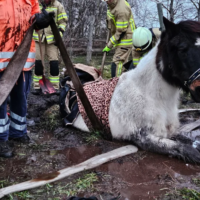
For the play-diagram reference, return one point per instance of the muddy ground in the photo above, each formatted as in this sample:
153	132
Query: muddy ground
139	176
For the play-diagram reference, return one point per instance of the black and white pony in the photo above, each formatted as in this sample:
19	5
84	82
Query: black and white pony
144	105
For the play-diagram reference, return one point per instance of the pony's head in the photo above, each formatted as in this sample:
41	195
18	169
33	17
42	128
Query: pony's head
178	57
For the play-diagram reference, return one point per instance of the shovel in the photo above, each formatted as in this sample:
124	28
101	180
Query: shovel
45	85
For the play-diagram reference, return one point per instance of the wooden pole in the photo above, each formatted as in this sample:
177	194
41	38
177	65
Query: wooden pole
75	79
104	54
160	14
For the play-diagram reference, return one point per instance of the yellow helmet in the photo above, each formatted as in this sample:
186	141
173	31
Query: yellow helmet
142	38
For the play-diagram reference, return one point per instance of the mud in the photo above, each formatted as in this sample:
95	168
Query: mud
139	176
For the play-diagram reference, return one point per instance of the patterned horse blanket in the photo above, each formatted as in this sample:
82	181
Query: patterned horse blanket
99	94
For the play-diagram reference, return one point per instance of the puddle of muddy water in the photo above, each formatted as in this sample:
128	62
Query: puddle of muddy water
78	155
144	178
147	178
150	177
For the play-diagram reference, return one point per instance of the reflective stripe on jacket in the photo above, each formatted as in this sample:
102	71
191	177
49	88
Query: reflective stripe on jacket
14	22
121	23
60	19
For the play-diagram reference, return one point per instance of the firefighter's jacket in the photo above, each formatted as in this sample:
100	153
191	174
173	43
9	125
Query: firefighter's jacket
15	19
60	19
137	56
121	24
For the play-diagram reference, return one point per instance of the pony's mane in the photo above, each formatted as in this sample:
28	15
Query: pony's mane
190	29
189	26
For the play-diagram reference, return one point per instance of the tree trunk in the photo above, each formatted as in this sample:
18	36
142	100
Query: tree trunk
90	40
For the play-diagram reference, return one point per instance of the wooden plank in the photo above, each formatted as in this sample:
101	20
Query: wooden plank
189	127
188	110
88	164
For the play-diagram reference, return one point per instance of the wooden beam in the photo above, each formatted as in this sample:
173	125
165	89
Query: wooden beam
75	79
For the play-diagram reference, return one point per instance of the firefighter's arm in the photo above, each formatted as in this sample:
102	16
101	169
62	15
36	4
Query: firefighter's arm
35	7
122	23
62	19
136	57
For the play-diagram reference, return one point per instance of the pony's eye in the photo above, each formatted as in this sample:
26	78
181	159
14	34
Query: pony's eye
182	47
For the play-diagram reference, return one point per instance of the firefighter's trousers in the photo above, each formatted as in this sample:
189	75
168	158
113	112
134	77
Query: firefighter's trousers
15	126
120	57
51	51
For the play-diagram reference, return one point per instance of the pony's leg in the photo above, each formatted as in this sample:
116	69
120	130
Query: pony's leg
80	124
183	139
186	140
150	142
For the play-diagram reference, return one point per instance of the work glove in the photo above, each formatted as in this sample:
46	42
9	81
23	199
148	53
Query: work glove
43	19
61	30
106	49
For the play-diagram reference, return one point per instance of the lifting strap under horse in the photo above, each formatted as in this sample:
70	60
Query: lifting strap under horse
15	66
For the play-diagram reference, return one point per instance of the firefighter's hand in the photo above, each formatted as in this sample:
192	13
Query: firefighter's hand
43	19
106	49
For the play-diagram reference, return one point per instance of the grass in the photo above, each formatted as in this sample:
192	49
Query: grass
4	183
51	118
25	195
96	62
80	185
93	137
196	181
190	194
184	193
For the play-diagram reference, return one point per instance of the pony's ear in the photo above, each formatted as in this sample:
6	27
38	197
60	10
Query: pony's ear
169	26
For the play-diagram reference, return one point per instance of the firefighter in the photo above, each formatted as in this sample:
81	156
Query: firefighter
121	24
48	45
144	40
15	19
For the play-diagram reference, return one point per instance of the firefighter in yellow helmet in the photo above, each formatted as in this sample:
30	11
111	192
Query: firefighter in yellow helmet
48	46
121	24
144	40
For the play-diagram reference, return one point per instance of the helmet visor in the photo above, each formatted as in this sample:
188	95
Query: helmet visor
143	47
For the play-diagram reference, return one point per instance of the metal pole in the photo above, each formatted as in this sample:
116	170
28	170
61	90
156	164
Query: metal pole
160	14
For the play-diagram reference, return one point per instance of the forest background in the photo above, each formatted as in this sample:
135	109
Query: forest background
86	30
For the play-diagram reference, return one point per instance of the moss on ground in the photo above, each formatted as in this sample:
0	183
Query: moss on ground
51	118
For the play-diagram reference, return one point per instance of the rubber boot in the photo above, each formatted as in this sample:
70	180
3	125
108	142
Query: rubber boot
37	76
54	75
5	150
113	69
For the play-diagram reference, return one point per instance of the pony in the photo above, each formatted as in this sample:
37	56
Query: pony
144	106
